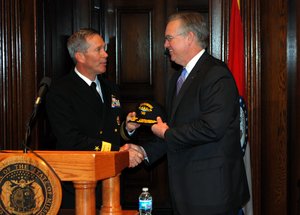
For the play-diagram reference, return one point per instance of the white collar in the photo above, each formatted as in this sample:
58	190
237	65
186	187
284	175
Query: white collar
191	64
86	80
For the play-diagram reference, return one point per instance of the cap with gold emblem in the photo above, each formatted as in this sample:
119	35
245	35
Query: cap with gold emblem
147	112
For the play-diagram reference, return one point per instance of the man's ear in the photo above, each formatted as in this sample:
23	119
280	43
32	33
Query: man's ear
191	36
79	56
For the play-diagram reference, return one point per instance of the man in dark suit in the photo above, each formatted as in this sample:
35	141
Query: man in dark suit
202	135
83	117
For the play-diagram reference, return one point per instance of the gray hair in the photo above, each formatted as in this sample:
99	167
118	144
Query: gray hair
77	41
193	22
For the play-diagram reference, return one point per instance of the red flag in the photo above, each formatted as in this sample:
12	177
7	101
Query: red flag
236	64
236	56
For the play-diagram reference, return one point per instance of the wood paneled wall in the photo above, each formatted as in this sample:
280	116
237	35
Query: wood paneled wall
251	20
19	67
293	105
32	45
274	107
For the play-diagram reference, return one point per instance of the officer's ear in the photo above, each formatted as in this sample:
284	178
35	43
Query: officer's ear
79	56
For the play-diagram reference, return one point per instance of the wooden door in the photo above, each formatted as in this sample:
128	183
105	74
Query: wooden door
136	62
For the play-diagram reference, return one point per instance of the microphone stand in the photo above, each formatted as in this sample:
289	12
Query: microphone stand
44	85
28	130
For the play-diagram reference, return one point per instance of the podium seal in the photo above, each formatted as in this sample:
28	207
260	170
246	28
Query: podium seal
28	186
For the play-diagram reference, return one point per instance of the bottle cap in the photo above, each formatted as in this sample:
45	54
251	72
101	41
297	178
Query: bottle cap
145	189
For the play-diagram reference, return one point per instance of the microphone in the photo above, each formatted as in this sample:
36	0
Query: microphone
43	88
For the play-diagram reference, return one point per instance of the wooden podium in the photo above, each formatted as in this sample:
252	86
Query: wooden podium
84	169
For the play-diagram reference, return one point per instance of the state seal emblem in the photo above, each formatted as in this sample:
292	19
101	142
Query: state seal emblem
28	186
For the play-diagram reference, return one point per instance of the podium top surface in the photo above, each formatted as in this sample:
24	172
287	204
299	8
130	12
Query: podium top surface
79	165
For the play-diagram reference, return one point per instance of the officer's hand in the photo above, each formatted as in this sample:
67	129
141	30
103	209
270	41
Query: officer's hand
136	154
131	126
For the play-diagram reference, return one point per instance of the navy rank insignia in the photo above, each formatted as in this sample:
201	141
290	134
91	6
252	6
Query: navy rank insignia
28	186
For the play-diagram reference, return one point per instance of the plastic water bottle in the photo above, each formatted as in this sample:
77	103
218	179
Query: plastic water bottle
145	202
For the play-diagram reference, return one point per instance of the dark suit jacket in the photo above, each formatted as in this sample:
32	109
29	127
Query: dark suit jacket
206	169
78	118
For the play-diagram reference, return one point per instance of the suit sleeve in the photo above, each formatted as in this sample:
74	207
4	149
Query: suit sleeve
155	149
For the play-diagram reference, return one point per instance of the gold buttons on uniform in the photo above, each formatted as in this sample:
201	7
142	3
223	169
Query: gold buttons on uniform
100	132
116	130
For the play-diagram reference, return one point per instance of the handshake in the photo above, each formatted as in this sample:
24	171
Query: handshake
137	153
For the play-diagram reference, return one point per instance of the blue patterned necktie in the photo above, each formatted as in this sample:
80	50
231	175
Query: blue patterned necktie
180	80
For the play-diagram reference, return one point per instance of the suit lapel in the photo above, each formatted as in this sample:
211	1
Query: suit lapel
86	94
172	91
106	95
184	89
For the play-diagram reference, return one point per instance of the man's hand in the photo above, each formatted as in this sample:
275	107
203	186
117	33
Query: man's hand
131	126
136	154
160	128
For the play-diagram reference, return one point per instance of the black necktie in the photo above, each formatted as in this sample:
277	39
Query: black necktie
180	80
93	87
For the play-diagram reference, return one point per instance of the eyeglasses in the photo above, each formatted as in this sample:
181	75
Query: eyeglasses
169	38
